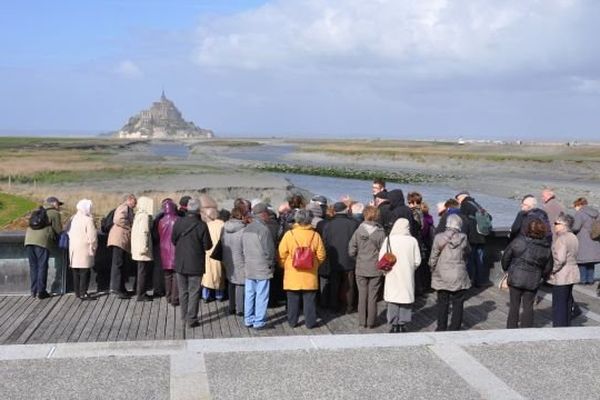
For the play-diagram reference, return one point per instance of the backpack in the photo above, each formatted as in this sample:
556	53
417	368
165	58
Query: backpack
39	219
595	229
107	222
483	220
303	255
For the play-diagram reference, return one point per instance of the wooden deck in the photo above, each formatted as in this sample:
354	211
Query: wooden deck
24	320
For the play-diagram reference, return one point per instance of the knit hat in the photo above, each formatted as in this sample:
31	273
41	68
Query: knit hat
340	207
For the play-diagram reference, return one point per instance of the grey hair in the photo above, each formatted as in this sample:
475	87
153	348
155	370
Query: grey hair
566	219
193	205
303	217
454	221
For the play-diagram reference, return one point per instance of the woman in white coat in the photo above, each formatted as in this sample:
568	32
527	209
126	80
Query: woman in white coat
141	245
83	242
399	289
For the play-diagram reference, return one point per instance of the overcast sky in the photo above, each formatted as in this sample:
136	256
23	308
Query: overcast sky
318	68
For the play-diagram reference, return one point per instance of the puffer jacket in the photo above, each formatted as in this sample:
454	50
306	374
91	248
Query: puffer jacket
233	258
448	261
564	251
364	245
589	250
165	230
258	249
527	261
141	236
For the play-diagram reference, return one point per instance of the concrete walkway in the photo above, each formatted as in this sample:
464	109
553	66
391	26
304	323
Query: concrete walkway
548	363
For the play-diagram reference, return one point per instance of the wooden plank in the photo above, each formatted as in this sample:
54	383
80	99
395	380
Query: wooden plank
172	315
111	320
146	319
70	309
38	317
101	327
150	333
115	328
135	320
13	324
39	334
161	324
95	315
85	312
178	325
8	302
9	311
122	332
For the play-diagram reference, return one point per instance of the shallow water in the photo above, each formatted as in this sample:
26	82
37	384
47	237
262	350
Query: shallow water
170	150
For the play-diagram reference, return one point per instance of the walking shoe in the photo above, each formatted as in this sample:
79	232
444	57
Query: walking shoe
121	295
193	324
87	297
144	297
395	329
402	329
261	328
43	295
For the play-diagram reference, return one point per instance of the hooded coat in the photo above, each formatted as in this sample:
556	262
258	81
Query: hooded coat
468	208
527	261
191	239
396	208
448	261
141	230
83	237
165	230
213	277
233	257
589	250
400	281
336	235
364	246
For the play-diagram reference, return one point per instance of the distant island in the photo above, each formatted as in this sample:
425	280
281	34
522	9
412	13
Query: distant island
161	121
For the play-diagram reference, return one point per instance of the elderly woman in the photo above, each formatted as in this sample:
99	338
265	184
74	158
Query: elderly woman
364	246
83	242
141	245
167	251
213	280
399	287
527	259
233	259
589	250
301	283
448	261
565	271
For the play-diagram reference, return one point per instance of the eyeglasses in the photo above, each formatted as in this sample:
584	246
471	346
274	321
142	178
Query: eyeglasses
558	223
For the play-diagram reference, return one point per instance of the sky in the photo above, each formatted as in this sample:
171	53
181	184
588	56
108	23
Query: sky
479	69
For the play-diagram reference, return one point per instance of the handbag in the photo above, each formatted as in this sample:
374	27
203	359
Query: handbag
303	255
503	285
388	260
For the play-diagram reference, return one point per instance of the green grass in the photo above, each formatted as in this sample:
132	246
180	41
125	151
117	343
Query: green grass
13	207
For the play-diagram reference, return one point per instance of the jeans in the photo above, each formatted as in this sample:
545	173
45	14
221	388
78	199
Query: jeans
445	298
586	271
256	302
562	302
189	296
518	296
475	265
207	293
38	268
309	306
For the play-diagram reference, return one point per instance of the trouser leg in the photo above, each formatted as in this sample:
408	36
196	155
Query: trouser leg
76	285
442	300
240	295
561	305
324	291
43	255
372	297
527	314
393	311
249	302
362	283
231	289
117	271
261	302
168	281
182	283
293	307
142	274
33	268
334	290
515	294
349	290
309	300
457	299
194	298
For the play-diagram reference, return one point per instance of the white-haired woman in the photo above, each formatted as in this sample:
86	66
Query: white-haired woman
83	242
399	288
448	261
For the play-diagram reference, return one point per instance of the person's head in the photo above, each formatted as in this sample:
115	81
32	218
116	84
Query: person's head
224	215
454	222
130	200
461	196
84	206
381	198
283	208
414	199
425	208
261	212
340	208
451	203
536	229
580	202
170	208
53	202
563	223
319	199
238	213
210	214
528	203
357	208
371	214
297	201
183	202
547	194
303	217
315	208
441	208
193	206
378	186
242	204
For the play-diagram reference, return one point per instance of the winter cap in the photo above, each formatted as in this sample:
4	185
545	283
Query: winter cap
259	208
52	200
340	207
193	204
462	193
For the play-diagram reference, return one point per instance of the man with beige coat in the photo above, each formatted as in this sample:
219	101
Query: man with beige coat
119	238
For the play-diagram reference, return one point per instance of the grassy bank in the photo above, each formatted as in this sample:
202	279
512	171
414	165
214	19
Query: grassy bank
351	173
13	207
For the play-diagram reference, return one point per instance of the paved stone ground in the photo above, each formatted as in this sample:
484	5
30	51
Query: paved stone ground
543	363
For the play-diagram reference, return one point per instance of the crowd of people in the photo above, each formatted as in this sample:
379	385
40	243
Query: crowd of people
311	254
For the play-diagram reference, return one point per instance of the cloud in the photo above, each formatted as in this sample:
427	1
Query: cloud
427	38
129	70
586	85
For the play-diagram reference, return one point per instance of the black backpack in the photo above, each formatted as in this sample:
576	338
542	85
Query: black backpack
107	222
39	219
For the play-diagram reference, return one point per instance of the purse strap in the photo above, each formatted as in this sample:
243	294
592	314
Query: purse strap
388	245
309	243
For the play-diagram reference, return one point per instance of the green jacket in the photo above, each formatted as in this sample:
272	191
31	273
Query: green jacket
48	236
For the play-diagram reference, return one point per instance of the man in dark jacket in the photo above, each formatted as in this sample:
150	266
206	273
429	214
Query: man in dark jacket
258	249
394	209
336	235
191	239
468	208
529	211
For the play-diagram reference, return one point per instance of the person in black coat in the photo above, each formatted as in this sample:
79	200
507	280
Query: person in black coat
529	211
528	259
476	267
336	235
191	239
392	208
